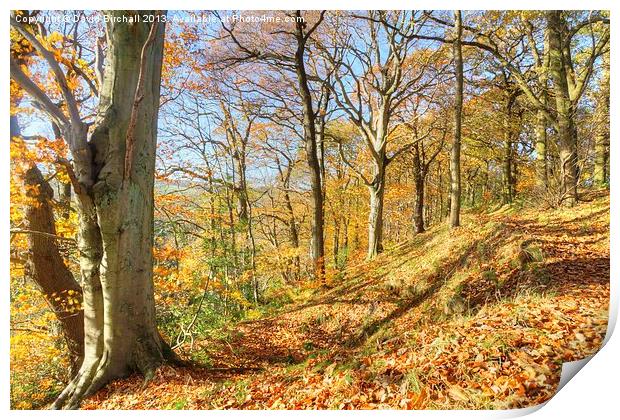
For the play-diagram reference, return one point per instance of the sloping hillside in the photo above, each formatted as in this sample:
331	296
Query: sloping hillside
477	317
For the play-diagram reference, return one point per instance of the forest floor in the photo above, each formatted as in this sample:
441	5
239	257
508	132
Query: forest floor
478	317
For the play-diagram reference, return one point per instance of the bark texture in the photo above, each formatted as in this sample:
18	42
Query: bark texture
510	134
542	70
601	145
541	150
116	215
421	165
567	132
455	153
312	157
375	217
47	268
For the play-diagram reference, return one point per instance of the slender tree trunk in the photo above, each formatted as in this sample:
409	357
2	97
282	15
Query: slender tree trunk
336	241
292	223
375	216
241	190
252	240
440	191
320	122
542	169
455	154
601	145
116	216
429	209
293	232
541	149
601	159
418	178
310	137
507	168
229	198
510	134
567	133
244	208
345	242
418	207
515	173
355	240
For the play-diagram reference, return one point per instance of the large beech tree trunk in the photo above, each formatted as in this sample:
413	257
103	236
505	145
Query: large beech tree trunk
116	215
455	153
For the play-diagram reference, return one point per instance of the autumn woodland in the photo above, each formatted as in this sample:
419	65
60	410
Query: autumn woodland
306	209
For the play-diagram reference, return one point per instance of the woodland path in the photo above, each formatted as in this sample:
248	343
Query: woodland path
301	359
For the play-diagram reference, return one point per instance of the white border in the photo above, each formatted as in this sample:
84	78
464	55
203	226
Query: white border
592	395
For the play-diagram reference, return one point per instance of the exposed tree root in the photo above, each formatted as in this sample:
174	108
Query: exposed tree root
95	374
89	379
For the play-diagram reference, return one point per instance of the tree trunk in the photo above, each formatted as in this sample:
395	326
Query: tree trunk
47	268
375	216
601	145
507	175
440	191
510	137
455	153
601	158
336	242
241	189
293	231
541	149
542	167
310	137
567	133
418	209
45	265
419	176
345	242
116	216
429	210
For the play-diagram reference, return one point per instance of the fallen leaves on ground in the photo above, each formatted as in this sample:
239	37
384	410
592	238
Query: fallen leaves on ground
360	346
